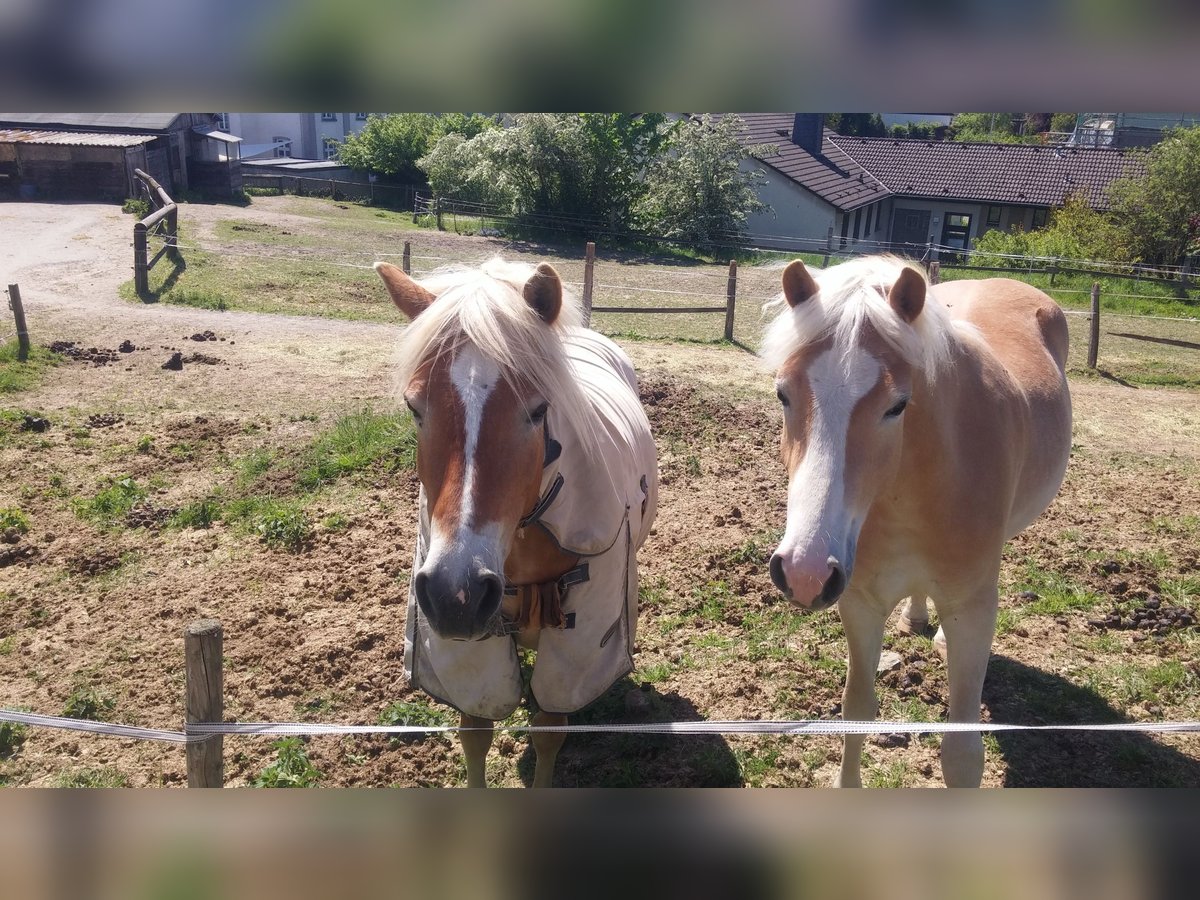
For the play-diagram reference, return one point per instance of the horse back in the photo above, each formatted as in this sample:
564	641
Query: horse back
1023	332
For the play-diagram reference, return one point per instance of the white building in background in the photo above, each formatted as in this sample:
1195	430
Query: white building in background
297	135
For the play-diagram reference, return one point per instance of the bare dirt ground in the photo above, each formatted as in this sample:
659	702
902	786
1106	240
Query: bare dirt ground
317	634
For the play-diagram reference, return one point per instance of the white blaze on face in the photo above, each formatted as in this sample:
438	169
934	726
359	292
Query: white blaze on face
474	377
818	523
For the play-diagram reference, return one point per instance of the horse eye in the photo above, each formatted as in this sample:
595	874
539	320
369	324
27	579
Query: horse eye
782	399
896	410
539	414
412	409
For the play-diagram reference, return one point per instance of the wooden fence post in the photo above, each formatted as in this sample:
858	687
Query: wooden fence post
589	263
437	208
406	262
14	300
1094	335
730	299
173	234
202	645
935	272
141	268
1185	277
828	247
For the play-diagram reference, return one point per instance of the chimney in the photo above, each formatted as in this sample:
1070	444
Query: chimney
808	132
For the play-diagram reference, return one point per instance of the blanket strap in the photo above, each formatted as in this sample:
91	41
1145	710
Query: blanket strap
541	604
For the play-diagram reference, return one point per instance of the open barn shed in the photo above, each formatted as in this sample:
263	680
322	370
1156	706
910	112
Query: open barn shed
70	165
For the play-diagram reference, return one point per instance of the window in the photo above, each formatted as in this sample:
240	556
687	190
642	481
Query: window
1039	218
993	216
285	150
328	117
361	117
330	148
222	120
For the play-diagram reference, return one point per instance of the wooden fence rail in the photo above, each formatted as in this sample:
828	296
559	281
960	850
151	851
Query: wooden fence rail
163	221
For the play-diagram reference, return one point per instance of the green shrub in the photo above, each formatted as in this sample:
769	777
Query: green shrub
291	769
12	736
145	444
139	208
405	712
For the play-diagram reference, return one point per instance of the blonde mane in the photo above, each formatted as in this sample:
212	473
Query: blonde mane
850	295
484	307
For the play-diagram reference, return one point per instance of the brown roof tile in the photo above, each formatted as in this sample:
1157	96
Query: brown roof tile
992	173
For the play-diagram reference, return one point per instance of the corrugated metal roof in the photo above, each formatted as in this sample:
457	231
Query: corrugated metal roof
216	134
72	138
132	121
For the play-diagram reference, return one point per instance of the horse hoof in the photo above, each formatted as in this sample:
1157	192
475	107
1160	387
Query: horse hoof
908	626
939	644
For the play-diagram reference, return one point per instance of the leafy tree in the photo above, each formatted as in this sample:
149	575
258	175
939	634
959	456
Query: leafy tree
856	124
1158	214
392	144
697	190
996	128
570	164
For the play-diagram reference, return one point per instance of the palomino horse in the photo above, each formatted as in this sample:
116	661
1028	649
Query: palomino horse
539	482
919	434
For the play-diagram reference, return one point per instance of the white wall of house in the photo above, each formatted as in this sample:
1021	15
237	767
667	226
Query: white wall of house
306	131
795	212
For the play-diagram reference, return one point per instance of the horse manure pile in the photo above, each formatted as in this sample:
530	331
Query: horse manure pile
104	420
201	336
94	355
177	360
1152	617
36	424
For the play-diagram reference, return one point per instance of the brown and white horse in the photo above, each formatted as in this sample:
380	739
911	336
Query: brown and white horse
538	485
922	428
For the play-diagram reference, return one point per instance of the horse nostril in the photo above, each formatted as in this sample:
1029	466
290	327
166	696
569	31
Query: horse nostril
491	596
835	583
777	576
421	588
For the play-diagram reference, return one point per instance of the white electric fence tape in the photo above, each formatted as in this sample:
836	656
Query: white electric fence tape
194	732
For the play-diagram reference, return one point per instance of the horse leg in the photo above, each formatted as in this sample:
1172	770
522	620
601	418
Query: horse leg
863	624
968	644
475	746
915	617
547	744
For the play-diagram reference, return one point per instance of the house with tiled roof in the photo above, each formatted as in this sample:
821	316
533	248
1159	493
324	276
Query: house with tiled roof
907	193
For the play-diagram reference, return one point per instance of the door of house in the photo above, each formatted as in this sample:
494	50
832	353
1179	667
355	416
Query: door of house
910	231
956	231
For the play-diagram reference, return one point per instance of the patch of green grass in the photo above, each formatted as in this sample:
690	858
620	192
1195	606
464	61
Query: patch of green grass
21	376
197	514
416	713
1056	593
757	763
282	524
253	465
335	522
712	601
1182	591
891	775
767	632
1184	526
104	777
12	737
361	440
292	767
12	517
87	702
198	299
1124	684
757	549
144	444
8	645
113	502
656	673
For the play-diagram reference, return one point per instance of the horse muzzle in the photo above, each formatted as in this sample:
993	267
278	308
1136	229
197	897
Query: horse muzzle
461	606
810	587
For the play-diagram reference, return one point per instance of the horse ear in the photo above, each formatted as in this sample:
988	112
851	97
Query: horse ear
543	292
410	298
907	296
798	285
